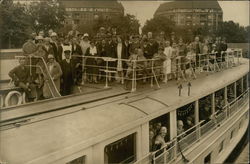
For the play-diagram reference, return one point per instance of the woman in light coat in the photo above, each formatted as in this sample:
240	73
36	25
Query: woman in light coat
55	72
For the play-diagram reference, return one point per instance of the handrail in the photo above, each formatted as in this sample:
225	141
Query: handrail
174	140
46	68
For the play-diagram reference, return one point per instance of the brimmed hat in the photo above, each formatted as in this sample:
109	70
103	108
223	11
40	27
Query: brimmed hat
53	34
86	35
67	51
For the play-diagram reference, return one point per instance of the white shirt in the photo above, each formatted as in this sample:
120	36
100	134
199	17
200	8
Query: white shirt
93	51
64	48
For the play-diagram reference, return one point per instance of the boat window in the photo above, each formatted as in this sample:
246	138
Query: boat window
244	83
230	93
232	134
207	159
159	127
221	146
219	100
121	151
185	118
80	160
205	108
239	89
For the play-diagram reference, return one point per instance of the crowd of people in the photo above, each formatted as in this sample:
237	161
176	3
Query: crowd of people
76	57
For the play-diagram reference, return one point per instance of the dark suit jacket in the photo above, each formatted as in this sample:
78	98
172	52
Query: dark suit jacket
76	49
111	50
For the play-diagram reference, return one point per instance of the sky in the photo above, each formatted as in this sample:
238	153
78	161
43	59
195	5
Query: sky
238	11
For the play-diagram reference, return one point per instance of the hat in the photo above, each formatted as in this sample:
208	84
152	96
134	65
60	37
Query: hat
67	51
86	35
50	56
53	34
39	37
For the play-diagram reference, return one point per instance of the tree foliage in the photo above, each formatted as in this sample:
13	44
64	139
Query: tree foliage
47	14
17	21
127	24
14	24
233	32
159	24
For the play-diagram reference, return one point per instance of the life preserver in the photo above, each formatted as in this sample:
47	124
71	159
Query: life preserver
13	93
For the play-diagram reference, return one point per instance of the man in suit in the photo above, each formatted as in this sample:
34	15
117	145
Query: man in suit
111	52
47	48
67	74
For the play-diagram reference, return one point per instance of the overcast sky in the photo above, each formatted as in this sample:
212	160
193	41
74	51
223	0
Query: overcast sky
238	11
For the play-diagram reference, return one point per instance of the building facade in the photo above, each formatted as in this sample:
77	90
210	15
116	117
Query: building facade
85	12
192	13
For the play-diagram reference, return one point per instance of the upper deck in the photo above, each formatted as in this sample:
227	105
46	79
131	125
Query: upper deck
84	124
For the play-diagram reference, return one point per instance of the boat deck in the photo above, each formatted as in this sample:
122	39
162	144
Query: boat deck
87	119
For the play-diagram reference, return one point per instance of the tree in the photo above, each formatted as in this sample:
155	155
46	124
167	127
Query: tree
127	24
159	24
46	14
233	32
14	24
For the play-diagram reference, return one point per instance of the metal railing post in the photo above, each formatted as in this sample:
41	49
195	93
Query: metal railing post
134	77
107	74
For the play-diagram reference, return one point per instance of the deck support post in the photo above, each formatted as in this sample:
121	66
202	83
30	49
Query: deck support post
173	127
213	103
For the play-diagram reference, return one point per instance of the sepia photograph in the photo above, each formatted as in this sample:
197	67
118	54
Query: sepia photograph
124	81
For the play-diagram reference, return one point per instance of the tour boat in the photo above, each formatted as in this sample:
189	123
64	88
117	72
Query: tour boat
111	125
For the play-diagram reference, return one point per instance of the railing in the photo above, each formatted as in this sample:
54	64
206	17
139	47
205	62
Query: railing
211	62
188	138
183	67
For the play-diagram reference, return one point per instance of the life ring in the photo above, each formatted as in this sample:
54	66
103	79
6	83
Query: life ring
1	101
13	93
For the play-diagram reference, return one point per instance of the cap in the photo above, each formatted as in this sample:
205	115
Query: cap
86	35
67	51
50	56
53	34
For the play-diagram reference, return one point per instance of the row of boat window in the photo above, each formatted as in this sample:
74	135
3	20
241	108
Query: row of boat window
124	150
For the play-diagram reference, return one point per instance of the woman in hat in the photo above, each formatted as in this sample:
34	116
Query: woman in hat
55	72
84	43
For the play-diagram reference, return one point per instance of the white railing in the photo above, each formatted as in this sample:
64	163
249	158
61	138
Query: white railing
182	142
